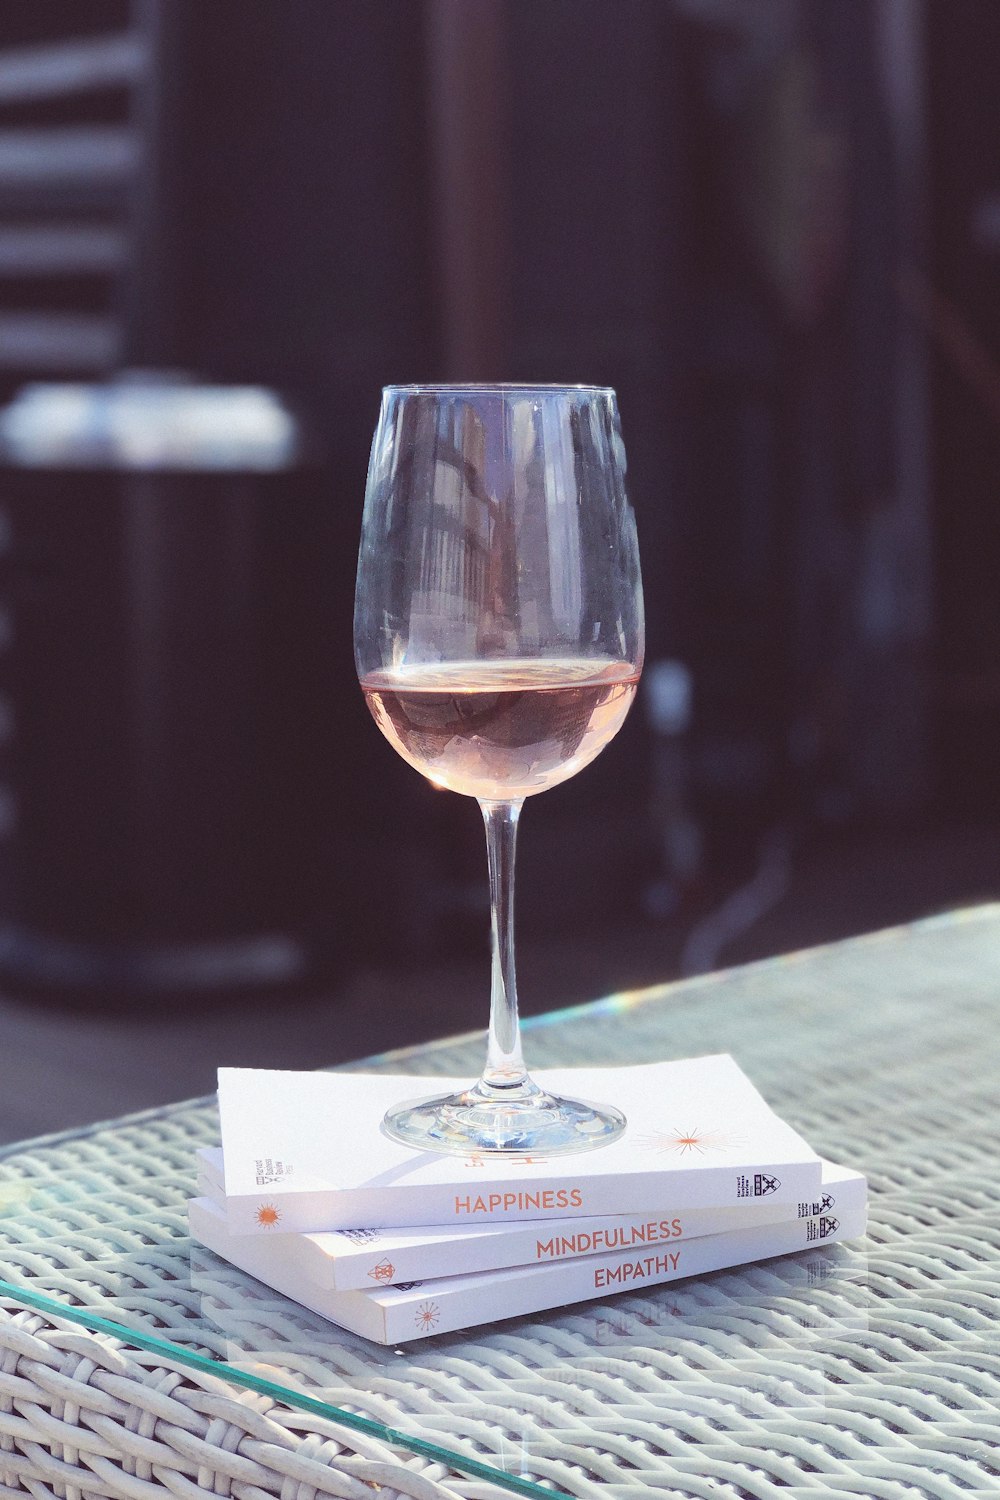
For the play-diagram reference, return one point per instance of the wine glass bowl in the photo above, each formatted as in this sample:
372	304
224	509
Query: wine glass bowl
498	640
509	728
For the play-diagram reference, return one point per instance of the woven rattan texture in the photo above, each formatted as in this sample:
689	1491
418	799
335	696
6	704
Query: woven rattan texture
868	1370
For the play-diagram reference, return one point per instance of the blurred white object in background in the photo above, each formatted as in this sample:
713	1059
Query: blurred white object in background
149	420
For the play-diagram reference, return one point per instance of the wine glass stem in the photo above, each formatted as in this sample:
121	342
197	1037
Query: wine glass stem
504	1064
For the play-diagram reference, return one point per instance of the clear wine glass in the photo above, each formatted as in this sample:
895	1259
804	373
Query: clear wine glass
498	635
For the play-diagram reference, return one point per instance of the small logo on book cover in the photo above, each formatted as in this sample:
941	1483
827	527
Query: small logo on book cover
268	1170
819	1229
689	1142
757	1186
384	1271
819	1206
362	1236
427	1316
267	1215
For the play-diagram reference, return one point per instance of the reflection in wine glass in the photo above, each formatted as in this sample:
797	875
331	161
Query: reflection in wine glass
498	638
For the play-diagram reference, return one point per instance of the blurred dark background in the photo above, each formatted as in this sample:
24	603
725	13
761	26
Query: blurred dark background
772	225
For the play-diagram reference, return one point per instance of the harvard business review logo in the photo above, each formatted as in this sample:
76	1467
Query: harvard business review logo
817	1206
760	1185
819	1229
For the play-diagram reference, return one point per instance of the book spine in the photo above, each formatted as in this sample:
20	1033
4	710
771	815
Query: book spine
379	1259
445	1306
312	1212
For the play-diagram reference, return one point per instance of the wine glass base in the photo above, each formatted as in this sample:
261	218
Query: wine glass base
519	1121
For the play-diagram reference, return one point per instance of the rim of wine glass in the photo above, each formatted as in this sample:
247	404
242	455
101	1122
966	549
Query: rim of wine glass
483	386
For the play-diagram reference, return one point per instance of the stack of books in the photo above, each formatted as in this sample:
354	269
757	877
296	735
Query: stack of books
307	1195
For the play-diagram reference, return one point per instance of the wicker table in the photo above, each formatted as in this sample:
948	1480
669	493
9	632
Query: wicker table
131	1362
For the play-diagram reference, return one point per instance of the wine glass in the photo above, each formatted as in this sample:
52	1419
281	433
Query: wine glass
498	636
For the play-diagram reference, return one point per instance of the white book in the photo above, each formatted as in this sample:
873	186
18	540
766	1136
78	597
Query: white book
350	1258
305	1152
396	1314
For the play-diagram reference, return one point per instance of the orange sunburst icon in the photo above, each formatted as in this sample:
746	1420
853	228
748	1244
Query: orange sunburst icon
684	1142
427	1316
267	1215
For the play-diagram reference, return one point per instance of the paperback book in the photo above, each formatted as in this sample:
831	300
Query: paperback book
397	1313
304	1152
350	1258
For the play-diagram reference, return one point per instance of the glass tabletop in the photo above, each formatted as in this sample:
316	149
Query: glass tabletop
871	1367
